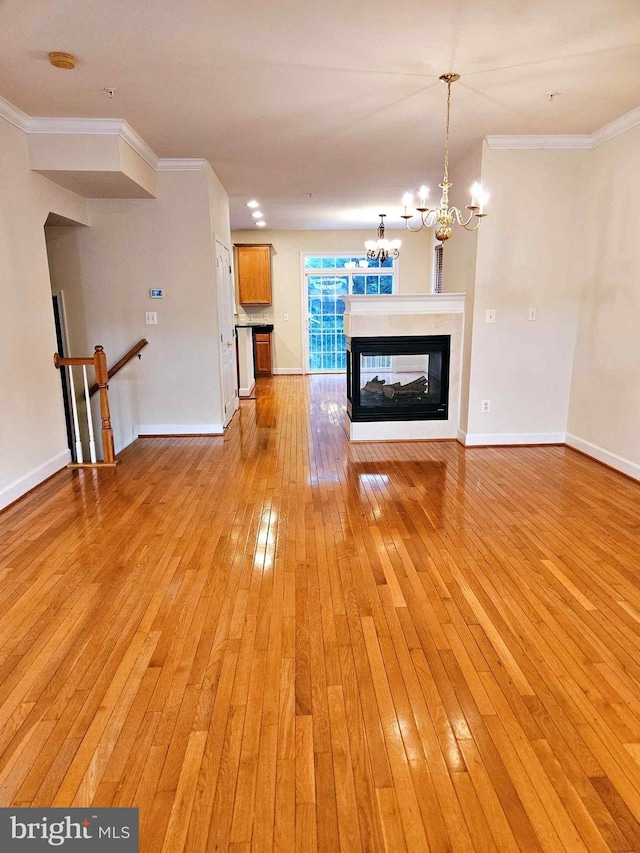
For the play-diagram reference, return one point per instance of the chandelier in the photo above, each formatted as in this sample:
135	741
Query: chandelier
382	249
443	216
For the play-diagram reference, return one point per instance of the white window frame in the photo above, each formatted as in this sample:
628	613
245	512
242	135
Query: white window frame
341	270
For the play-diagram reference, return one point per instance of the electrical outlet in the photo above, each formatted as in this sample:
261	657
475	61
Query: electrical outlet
485	406
151	318
531	314
490	316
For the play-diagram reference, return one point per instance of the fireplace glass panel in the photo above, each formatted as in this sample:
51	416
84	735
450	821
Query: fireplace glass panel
400	380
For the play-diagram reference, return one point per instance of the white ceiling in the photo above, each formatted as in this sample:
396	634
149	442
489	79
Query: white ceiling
326	112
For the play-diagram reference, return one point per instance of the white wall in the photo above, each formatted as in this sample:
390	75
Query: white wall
106	272
604	414
530	251
459	252
33	441
459	263
415	273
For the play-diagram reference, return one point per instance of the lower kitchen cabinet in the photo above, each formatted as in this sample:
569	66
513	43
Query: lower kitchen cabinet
262	353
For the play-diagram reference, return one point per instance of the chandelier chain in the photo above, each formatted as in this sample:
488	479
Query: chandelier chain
446	142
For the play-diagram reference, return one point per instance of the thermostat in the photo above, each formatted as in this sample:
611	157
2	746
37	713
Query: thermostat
156	293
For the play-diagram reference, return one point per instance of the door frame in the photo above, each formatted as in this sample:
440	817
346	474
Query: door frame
304	314
221	344
57	299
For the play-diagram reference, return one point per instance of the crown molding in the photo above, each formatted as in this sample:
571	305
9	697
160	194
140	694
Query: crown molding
91	126
96	127
538	141
135	141
13	115
558	140
181	164
616	127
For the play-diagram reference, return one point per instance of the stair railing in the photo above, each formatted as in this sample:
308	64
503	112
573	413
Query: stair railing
99	363
133	352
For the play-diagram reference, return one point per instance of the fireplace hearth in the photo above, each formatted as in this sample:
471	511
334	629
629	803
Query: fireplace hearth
398	378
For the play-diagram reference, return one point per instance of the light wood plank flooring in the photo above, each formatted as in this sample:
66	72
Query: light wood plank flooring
278	641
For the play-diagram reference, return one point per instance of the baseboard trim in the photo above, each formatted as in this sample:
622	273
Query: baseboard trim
505	439
178	429
287	371
247	392
611	460
125	444
29	481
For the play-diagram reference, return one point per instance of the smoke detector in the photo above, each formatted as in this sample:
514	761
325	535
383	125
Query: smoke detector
62	60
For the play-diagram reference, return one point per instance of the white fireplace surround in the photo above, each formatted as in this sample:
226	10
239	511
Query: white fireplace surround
410	314
405	303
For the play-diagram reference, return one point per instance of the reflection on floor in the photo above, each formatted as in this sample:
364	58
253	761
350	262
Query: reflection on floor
280	641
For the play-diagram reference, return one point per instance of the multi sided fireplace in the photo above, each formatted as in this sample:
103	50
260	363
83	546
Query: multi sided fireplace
398	378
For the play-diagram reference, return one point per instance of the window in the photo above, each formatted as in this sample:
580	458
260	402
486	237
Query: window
327	278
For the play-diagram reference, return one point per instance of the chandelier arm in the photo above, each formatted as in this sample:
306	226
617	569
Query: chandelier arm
474	228
460	219
415	230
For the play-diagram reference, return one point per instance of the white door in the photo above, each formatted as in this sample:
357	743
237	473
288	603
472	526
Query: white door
226	311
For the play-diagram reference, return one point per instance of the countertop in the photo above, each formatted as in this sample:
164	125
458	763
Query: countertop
264	327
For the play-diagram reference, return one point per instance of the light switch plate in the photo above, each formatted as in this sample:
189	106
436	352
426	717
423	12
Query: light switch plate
490	316
151	318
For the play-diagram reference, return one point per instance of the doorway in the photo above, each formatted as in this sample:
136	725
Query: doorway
226	313
63	349
327	278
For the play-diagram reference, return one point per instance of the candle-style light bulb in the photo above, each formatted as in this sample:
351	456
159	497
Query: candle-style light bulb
476	189
424	192
407	200
483	198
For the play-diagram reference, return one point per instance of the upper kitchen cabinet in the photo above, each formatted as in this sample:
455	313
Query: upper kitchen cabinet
253	263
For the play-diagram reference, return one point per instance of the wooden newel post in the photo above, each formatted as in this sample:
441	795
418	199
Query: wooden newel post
102	378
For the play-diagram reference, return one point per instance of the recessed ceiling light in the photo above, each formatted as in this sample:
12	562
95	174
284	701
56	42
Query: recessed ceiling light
257	214
261	224
253	203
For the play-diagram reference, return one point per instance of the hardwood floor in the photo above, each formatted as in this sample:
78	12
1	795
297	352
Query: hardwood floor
280	641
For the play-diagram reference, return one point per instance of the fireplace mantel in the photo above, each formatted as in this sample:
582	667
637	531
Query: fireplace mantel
405	303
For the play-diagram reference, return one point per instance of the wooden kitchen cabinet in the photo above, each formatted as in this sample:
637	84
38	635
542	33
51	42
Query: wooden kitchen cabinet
253	263
262	352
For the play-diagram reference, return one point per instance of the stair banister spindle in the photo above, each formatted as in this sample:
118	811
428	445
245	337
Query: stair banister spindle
87	401
74	411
